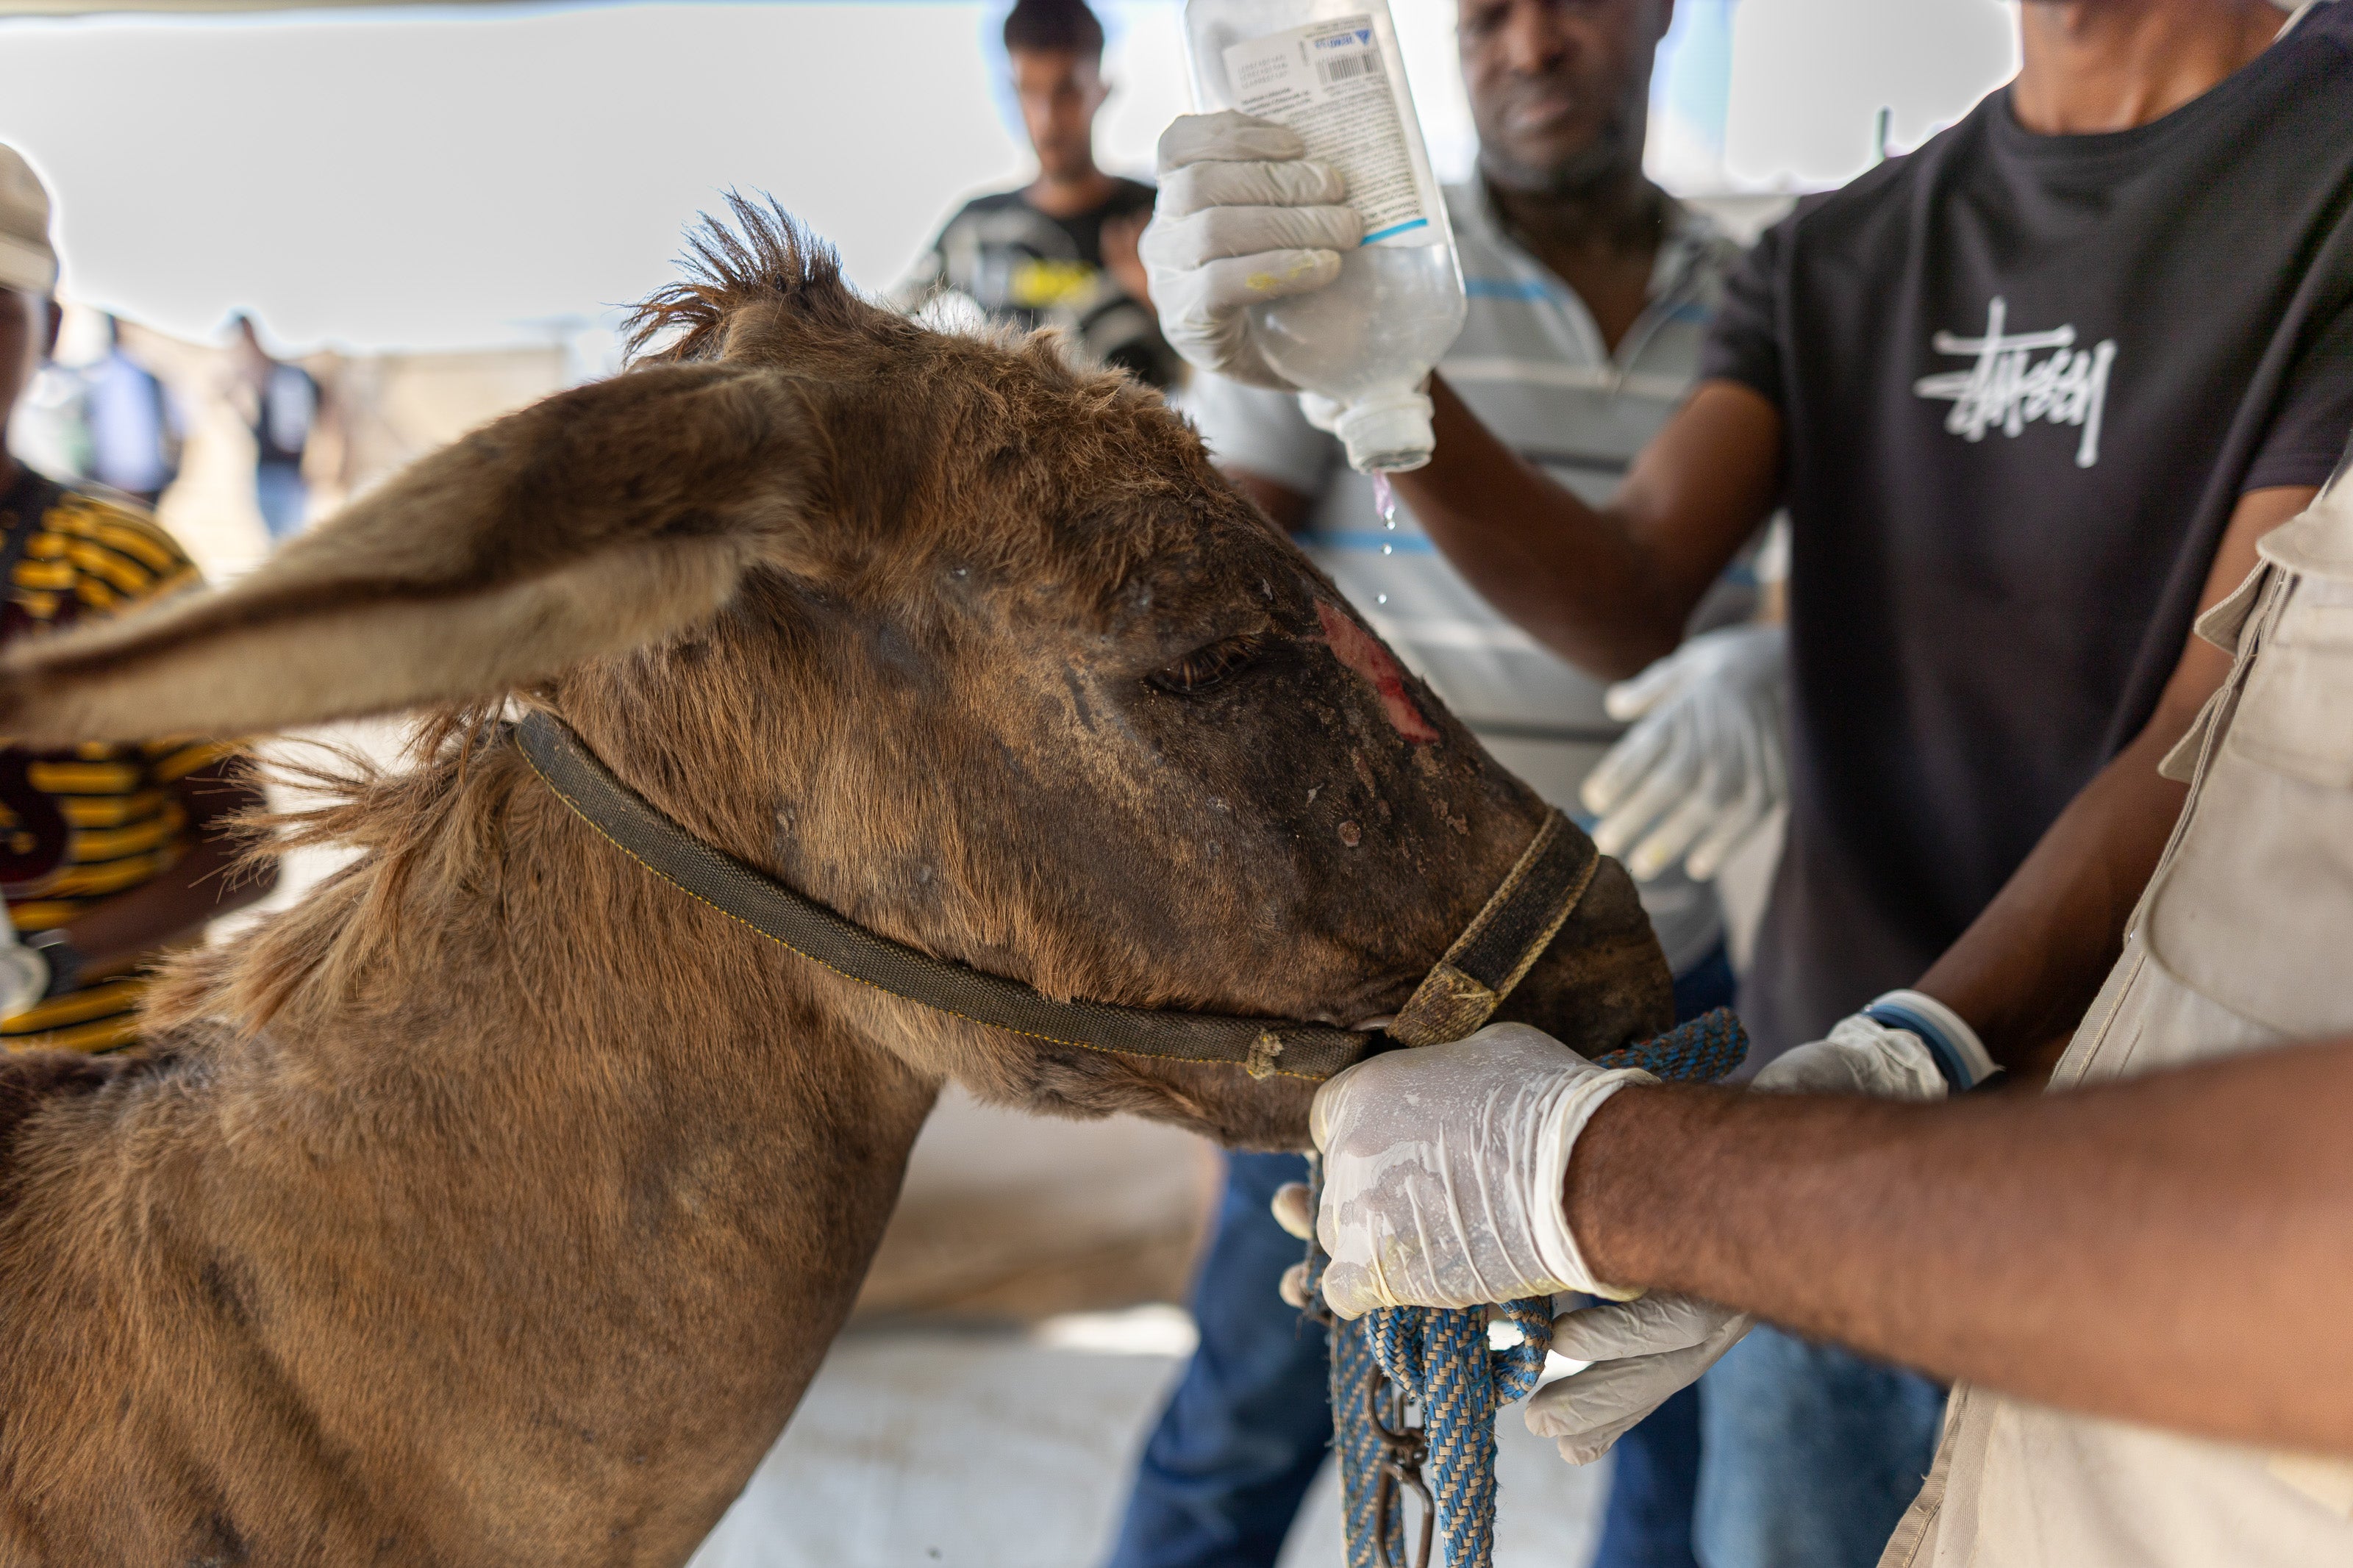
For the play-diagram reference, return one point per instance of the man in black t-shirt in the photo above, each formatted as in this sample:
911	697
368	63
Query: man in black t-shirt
1060	251
2030	396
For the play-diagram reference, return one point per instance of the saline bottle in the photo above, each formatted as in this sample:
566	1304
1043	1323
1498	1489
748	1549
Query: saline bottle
1331	71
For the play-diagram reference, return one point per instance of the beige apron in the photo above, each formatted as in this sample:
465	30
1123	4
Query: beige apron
2241	943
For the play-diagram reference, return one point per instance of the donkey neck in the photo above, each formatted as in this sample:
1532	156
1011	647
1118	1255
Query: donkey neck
548	1195
707	1167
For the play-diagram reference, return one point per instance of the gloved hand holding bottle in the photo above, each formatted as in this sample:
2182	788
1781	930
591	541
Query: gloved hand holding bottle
1444	1186
1243	217
1706	761
1300	240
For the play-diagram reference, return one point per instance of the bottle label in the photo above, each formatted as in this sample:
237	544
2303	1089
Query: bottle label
1330	84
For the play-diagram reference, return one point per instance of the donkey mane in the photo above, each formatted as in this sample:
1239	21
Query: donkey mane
207	999
763	290
773	261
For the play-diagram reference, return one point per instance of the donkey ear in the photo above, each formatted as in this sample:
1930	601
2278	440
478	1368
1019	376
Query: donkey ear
595	522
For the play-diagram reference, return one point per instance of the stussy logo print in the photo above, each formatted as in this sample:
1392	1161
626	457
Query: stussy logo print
2007	388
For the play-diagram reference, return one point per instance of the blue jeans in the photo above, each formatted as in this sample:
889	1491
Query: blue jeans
1248	1425
1247	1428
1810	1453
1654	1490
1786	1455
281	497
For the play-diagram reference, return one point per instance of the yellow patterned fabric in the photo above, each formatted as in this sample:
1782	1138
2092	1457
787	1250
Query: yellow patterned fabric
85	555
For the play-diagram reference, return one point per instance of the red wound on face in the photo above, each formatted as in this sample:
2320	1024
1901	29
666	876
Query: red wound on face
1362	652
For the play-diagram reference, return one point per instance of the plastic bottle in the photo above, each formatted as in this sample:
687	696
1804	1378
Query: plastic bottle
1331	71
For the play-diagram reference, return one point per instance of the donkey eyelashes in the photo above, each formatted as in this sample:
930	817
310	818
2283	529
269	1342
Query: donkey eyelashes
1206	668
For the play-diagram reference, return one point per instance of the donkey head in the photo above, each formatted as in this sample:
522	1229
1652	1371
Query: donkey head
970	644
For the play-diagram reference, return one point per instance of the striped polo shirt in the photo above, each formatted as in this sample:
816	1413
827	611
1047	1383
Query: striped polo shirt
113	807
1532	364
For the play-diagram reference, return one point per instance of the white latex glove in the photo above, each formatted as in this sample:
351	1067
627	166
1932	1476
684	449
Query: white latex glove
1708	762
23	973
1241	218
1886	1052
1442	1172
1642	1353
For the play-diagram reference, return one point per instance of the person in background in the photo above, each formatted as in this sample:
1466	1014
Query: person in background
282	406
107	854
2032	396
134	426
1590	293
1059	251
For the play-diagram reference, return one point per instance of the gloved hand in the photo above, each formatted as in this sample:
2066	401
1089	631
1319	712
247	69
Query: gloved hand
1442	1172
1644	1351
23	973
1708	762
1241	218
1904	1045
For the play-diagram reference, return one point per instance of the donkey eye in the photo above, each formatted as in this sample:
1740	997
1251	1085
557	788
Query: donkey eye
1207	667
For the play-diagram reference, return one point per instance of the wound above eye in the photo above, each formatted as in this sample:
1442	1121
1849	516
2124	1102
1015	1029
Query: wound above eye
1362	652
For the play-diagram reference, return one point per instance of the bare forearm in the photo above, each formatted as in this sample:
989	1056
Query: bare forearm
2098	1250
1286	508
1568	575
1608	588
2029	966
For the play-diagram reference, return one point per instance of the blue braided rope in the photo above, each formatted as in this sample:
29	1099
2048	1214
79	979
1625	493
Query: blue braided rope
1441	1357
1356	1444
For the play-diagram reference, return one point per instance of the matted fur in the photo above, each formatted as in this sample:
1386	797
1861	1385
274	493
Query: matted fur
496	1203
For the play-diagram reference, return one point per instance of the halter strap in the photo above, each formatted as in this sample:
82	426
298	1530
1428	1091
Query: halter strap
1499	946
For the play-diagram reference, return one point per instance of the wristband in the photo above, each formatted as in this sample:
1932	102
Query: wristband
1959	1055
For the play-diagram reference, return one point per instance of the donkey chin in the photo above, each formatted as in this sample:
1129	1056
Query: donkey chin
498	1200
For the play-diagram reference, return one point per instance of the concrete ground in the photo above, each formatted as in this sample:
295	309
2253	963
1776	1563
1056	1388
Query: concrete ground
1012	1450
987	1406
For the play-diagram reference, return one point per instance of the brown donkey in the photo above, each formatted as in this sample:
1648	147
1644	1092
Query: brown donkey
495	1205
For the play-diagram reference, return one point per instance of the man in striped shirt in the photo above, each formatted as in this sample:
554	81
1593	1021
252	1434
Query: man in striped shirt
1590	292
107	854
